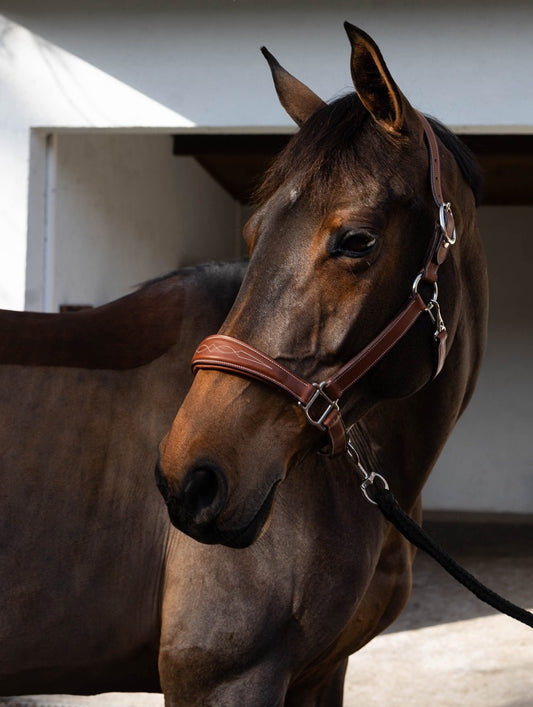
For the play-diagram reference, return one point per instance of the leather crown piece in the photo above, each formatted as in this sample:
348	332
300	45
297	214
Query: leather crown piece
320	401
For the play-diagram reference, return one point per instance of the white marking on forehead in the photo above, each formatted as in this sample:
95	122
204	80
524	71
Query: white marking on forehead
293	195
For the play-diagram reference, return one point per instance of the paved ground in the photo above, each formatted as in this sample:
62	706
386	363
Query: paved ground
447	649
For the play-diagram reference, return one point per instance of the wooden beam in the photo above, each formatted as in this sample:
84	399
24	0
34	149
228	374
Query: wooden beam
238	162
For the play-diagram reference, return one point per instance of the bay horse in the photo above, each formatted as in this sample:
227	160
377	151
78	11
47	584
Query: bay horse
283	569
298	570
85	398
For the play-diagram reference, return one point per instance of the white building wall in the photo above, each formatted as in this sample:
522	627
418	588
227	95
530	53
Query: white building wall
487	465
125	209
466	61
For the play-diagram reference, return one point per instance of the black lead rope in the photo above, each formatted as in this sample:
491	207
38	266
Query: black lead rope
417	536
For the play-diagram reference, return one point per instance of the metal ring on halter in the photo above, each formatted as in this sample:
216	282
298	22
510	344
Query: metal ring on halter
443	210
414	290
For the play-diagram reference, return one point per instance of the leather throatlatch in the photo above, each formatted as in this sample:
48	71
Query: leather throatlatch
320	401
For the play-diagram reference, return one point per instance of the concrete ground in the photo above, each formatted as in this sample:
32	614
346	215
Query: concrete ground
446	649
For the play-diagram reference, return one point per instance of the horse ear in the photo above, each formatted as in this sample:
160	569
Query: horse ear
373	82
297	99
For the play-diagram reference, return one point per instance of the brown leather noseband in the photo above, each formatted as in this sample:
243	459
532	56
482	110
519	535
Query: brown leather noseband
320	401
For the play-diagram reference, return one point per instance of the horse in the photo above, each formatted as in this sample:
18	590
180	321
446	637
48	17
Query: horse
263	568
296	570
85	398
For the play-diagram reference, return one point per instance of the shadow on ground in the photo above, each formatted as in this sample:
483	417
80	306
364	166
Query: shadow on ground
499	555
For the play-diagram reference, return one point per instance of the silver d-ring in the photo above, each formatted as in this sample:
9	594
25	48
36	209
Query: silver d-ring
418	278
417	282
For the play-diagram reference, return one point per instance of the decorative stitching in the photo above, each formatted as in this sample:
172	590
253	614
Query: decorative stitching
224	349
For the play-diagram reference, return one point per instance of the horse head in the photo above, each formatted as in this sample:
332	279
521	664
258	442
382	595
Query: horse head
344	219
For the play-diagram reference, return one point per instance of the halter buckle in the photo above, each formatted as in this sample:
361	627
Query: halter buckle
447	222
319	394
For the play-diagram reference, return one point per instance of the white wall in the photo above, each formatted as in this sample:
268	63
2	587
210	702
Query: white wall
43	85
124	209
465	60
487	465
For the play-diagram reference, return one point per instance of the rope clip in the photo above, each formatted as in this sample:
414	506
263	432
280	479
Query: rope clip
368	480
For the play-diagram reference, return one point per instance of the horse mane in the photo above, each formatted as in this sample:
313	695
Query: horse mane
212	270
325	150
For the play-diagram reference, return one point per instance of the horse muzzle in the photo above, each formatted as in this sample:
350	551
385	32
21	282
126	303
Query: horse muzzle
197	508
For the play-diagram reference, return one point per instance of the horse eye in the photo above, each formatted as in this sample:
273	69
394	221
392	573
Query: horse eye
354	244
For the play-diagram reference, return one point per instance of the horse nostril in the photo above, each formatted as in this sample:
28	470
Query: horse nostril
204	494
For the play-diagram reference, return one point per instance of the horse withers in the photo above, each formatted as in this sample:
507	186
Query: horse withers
297	570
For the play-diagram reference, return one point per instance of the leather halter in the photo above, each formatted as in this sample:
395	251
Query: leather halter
320	401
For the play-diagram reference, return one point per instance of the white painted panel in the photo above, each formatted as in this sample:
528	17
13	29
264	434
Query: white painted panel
468	62
488	462
126	210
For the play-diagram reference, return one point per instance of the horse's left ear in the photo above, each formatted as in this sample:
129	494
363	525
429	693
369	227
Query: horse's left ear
373	82
297	99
